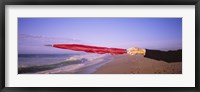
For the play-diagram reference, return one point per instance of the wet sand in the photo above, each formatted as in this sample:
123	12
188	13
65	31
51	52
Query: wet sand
125	64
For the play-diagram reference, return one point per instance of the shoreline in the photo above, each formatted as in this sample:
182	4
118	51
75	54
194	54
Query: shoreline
83	68
117	64
90	69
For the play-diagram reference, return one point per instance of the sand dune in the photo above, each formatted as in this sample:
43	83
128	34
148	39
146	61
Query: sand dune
125	64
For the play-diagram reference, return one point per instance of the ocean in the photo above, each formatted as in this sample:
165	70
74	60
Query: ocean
61	63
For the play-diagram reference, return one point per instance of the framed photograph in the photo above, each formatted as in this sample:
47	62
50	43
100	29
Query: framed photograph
146	45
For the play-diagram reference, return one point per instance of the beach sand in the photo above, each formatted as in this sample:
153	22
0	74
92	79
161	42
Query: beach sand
126	64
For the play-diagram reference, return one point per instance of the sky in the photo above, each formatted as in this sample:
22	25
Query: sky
149	33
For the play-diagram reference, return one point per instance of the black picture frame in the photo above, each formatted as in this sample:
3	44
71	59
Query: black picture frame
98	2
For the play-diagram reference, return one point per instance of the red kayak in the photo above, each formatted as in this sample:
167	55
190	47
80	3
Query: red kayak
90	49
